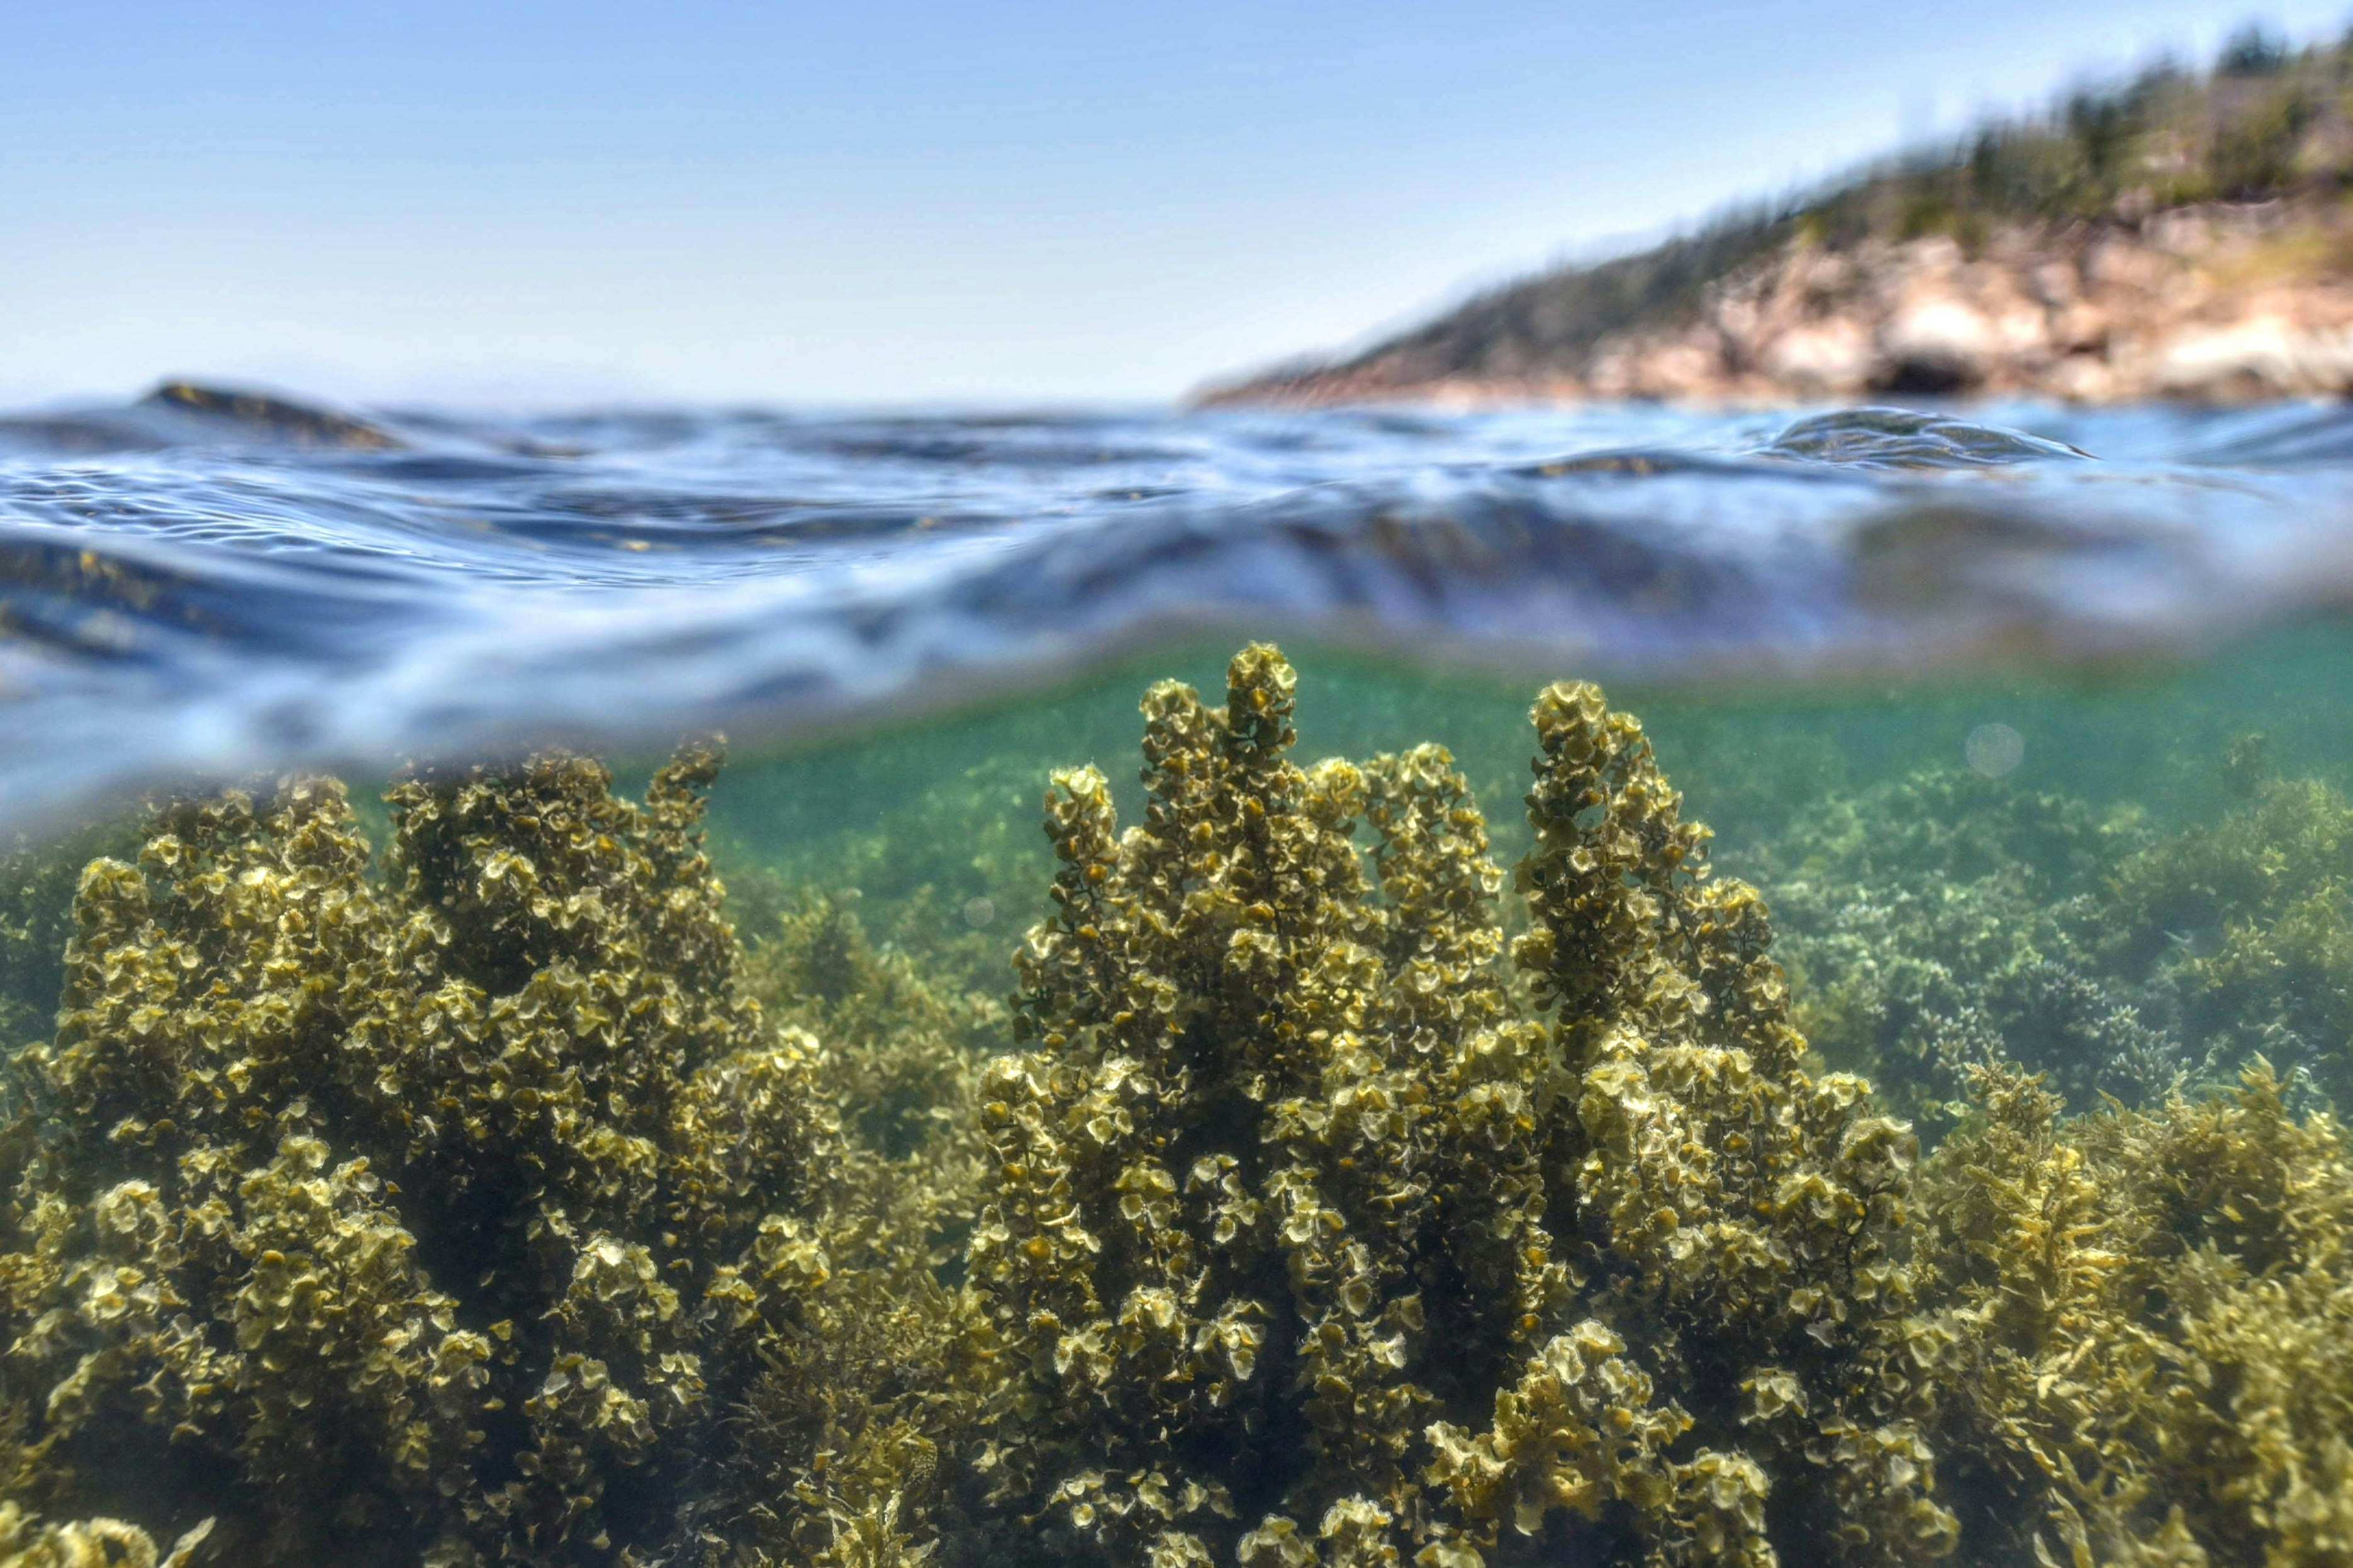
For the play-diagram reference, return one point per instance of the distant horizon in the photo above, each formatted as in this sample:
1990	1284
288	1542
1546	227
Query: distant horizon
919	206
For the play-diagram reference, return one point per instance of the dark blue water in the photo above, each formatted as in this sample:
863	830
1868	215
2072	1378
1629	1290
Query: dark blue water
195	587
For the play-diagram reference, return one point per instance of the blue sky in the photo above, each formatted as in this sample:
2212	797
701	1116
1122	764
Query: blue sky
1012	201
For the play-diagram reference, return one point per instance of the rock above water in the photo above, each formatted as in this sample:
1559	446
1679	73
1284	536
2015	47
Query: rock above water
267	416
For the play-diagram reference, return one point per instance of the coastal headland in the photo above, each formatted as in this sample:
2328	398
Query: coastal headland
2183	235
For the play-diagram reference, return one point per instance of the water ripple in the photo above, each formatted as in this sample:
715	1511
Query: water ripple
202	584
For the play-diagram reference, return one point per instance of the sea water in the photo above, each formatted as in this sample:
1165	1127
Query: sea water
444	1130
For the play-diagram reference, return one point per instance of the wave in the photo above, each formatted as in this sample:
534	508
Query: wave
209	583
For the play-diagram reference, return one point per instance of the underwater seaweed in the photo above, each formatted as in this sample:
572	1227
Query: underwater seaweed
1309	1246
945	865
1942	920
444	1217
2152	1327
1331	1207
2245	925
903	1053
36	893
88	1543
903	1045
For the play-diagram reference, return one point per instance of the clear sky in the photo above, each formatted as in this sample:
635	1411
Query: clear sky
865	201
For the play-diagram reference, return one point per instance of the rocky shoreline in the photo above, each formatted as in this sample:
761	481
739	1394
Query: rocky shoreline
2214	302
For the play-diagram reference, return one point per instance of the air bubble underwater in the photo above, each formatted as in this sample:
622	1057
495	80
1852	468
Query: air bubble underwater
1995	750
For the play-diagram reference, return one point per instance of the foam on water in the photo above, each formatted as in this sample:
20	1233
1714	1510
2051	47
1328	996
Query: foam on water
202	584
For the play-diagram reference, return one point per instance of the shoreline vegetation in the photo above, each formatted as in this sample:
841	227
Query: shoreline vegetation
2179	235
1322	1196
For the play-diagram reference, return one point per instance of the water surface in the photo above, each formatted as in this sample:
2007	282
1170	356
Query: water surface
197	586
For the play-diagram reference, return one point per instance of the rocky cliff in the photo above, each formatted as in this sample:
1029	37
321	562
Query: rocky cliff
2213	301
2182	234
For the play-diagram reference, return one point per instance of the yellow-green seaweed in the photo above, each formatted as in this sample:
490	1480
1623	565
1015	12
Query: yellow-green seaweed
2152	1322
1310	1246
36	893
1943	922
488	1203
448	1216
2246	925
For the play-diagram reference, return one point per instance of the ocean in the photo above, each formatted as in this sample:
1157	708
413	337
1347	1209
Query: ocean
1612	984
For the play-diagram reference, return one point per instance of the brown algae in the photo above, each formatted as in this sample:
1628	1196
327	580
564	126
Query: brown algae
1322	1196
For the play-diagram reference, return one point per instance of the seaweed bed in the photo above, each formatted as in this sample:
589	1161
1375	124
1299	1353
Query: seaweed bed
1314	1199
